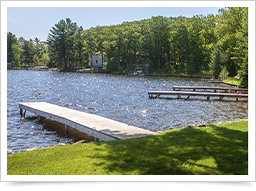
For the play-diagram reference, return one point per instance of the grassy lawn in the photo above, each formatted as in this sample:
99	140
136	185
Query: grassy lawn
220	149
232	80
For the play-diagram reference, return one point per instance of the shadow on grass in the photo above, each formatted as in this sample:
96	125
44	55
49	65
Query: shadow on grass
180	152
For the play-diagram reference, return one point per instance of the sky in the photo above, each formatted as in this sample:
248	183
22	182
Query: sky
32	22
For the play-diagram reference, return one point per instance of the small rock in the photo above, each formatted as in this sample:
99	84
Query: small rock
31	149
192	126
78	142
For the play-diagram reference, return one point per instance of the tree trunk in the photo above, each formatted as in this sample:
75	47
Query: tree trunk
65	63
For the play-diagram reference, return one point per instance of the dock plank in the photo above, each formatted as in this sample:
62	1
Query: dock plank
106	129
191	93
208	88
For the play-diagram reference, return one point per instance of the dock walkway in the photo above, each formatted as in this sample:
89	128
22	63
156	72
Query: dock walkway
191	93
100	127
204	88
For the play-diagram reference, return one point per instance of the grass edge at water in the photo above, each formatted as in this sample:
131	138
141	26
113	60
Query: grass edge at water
214	149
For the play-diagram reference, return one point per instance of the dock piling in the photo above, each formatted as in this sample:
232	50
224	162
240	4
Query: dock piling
21	113
66	130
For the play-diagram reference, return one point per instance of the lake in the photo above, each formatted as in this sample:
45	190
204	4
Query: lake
118	97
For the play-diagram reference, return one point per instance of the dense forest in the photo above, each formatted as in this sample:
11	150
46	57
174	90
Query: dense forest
212	44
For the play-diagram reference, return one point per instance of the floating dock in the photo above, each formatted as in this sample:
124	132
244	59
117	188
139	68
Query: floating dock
100	127
190	93
204	88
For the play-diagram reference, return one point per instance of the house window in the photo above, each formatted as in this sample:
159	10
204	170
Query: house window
96	61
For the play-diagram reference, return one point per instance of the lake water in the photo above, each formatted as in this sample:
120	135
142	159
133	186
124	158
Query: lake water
121	98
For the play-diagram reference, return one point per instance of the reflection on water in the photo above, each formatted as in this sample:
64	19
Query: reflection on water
121	98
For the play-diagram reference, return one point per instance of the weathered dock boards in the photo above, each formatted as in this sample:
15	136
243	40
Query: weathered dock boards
194	88
190	93
103	128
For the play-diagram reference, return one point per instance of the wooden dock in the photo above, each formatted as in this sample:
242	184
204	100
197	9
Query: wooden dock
204	88
191	93
100	127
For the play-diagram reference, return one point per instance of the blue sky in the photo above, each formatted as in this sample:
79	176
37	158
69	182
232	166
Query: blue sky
31	22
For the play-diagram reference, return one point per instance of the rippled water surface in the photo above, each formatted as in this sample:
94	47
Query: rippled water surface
121	98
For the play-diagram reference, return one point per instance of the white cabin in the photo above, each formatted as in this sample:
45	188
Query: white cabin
97	59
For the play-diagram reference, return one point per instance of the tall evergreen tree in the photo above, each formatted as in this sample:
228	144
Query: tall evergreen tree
61	41
11	39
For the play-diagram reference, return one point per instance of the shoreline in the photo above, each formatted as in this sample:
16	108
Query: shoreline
219	149
172	129
150	75
123	74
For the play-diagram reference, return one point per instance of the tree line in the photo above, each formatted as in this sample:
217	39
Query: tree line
22	53
214	44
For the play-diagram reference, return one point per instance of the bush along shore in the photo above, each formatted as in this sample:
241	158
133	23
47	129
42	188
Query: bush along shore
219	149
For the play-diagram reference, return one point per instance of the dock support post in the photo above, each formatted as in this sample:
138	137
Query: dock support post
208	97
95	133
21	112
66	130
39	118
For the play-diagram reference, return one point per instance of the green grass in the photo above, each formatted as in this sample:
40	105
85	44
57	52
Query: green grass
204	74
232	80
220	149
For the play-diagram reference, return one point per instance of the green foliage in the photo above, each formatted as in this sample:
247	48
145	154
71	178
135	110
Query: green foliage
28	52
17	51
232	36
45	60
220	149
36	60
224	73
244	78
11	42
215	64
22	52
61	42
